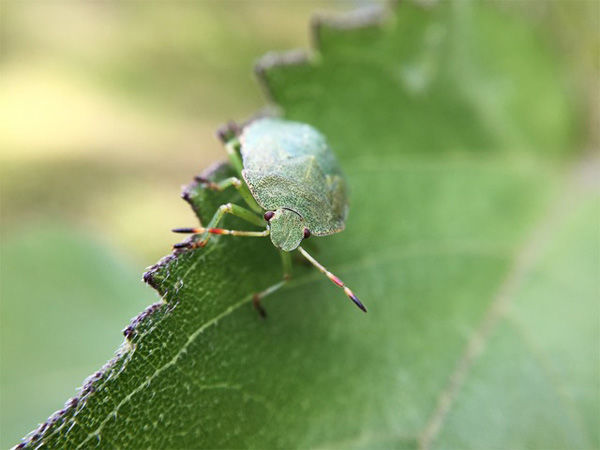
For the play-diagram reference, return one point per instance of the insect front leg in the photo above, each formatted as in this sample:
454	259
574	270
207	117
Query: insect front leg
286	262
211	229
236	183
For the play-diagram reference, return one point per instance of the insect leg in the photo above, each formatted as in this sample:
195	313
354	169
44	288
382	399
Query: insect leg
211	229
256	298
238	184
286	261
232	148
333	278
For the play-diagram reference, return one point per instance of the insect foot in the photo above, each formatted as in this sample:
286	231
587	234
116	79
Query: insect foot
256	302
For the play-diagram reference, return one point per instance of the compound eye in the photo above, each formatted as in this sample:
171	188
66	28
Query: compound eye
306	233
269	215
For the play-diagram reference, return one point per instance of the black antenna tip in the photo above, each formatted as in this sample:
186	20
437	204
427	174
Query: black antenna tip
184	230
358	303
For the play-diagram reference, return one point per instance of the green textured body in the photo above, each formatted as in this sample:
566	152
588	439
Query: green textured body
288	165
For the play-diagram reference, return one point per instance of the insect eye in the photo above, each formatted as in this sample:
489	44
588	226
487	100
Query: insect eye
269	215
306	233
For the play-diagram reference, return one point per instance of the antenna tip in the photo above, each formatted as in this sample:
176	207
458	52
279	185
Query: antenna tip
355	299
185	230
358	303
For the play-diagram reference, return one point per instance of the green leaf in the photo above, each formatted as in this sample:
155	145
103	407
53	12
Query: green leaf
47	271
468	241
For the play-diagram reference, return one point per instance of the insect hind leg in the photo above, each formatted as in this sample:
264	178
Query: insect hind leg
257	297
286	262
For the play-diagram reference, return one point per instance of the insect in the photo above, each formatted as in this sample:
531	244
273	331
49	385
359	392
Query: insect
292	186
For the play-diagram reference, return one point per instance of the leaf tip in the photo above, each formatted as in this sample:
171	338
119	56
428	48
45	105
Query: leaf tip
367	16
271	60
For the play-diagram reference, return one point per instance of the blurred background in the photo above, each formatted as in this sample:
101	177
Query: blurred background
106	109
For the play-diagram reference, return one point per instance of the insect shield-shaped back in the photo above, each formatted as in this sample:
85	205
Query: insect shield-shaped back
287	229
289	165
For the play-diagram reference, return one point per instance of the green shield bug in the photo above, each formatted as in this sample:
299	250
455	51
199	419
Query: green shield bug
293	186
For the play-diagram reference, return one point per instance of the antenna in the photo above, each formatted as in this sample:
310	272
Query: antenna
333	278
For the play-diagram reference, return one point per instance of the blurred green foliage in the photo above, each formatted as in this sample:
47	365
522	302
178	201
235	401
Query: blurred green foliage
105	109
65	297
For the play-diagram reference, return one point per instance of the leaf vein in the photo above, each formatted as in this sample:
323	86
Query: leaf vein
553	376
524	261
164	367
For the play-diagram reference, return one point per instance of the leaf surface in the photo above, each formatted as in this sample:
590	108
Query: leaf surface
467	240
